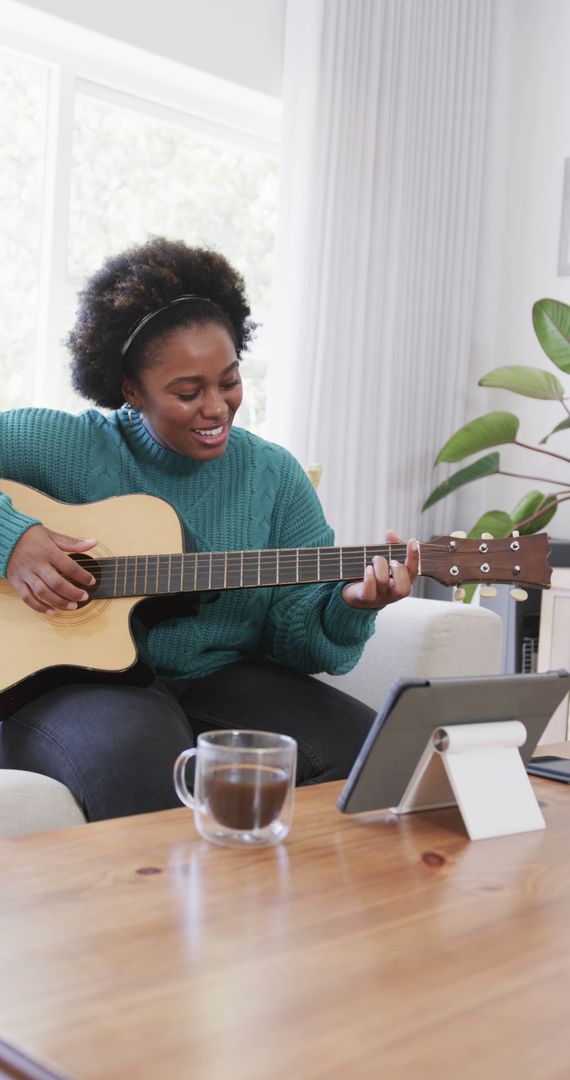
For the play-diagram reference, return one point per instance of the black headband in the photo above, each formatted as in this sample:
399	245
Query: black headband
146	318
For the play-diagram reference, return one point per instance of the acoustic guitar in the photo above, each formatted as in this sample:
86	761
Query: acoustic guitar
95	643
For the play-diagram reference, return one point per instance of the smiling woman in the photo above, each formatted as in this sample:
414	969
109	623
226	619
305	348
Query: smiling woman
158	341
190	399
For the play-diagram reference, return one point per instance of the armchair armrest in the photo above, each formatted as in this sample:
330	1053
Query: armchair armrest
423	638
30	802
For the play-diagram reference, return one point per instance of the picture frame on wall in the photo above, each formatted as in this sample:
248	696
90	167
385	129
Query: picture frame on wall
564	248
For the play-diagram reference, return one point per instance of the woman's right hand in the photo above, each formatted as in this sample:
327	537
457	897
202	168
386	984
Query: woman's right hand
43	575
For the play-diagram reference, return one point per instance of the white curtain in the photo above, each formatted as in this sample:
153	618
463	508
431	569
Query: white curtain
383	150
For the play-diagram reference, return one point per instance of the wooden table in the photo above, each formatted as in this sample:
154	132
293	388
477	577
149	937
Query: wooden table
370	947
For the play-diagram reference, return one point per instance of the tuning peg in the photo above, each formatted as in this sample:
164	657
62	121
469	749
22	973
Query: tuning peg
459	594
460	535
487	536
488	591
519	594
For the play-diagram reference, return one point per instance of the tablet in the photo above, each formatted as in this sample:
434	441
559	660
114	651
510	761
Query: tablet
414	708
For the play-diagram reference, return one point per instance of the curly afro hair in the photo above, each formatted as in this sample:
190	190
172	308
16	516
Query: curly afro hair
135	283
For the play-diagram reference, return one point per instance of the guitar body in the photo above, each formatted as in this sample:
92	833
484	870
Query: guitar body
94	643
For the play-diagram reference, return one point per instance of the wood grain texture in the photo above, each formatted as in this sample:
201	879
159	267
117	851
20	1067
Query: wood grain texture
364	946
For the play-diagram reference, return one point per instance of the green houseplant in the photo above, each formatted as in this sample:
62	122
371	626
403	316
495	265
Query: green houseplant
551	321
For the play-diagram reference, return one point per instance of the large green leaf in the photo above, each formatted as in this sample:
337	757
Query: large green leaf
483	467
496	522
493	429
559	427
530	381
551	320
529	505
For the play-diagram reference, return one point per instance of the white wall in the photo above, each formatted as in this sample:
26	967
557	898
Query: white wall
241	41
528	141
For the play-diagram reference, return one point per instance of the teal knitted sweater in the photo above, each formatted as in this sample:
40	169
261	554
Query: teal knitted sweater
256	495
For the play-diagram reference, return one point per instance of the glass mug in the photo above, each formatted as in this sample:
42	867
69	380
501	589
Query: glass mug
244	784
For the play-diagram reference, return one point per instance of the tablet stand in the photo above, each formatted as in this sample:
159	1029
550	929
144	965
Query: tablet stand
479	768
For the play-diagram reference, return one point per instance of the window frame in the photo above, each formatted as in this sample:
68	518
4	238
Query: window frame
82	61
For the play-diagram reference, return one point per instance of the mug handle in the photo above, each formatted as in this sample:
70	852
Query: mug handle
180	764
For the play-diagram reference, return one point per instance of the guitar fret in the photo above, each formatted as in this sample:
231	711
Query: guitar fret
268	567
203	571
218	569
308	565
249	568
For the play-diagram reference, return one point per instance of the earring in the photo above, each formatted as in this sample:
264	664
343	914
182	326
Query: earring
127	405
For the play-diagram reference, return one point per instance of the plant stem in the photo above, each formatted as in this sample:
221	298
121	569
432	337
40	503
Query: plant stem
525	476
543	509
537	450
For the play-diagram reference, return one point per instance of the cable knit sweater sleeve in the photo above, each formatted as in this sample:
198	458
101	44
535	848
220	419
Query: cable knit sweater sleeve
43	449
310	627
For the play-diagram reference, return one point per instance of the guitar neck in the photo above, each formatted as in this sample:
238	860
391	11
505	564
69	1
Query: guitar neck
451	561
203	571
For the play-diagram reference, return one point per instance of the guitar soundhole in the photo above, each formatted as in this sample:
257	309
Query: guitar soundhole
94	568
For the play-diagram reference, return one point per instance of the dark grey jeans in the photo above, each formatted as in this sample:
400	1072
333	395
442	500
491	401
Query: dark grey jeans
115	747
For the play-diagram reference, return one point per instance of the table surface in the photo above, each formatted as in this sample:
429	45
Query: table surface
369	946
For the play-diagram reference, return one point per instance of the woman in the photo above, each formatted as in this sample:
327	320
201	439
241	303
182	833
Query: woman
162	328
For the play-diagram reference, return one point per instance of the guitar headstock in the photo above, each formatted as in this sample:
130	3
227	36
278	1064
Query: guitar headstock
512	560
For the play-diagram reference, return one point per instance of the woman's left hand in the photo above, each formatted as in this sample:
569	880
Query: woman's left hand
384	582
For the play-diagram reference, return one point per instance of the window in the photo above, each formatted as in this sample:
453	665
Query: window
95	158
23	97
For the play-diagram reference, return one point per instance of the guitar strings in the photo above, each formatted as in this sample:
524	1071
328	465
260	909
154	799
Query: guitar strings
350	559
278	555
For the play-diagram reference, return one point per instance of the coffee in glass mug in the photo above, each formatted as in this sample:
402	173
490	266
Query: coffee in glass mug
243	789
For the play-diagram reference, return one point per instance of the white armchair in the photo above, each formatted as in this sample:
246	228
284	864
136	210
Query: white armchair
413	638
424	638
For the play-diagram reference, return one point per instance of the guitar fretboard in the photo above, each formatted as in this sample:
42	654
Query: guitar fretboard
150	575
